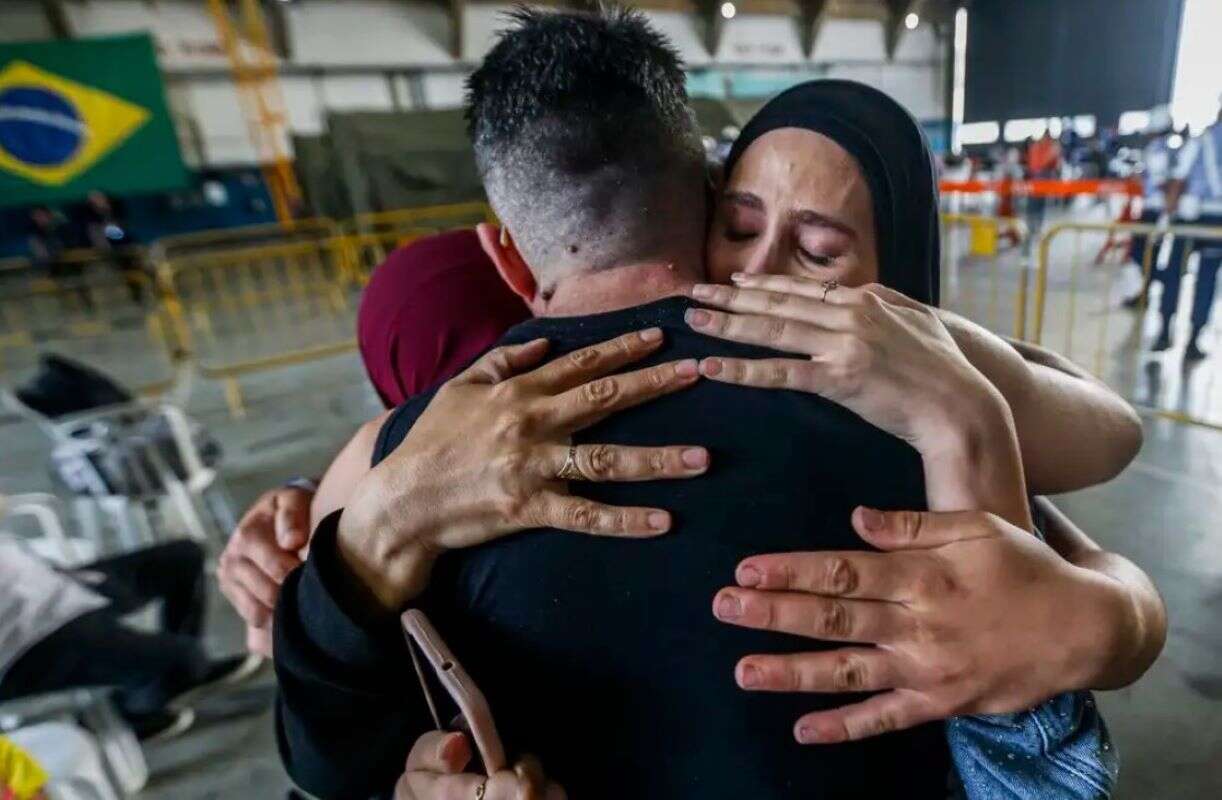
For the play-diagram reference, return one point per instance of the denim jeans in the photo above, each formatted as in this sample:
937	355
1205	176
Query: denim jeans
1059	750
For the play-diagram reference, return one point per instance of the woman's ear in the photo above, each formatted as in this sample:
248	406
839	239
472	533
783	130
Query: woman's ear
499	247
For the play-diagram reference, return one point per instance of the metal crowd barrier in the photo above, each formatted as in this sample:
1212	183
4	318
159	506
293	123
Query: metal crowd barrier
976	283
241	310
1079	310
371	237
101	311
308	229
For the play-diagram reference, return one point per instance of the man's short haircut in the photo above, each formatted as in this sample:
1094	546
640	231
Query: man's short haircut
584	137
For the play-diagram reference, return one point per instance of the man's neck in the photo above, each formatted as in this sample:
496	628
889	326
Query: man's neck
620	287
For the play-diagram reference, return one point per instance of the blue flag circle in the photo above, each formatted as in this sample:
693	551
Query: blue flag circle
39	126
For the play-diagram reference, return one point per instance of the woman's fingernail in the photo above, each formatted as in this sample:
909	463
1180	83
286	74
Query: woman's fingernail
738	277
658	520
695	457
871	518
750	677
702	290
687	368
697	318
450	746
728	607
749	576
651	335
807	735
711	366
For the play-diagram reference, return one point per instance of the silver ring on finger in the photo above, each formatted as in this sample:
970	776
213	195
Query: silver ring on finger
829	286
571	471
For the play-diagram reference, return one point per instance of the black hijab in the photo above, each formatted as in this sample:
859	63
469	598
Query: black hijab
894	156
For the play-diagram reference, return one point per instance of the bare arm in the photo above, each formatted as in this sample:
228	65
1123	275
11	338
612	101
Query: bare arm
1073	431
1137	641
349	466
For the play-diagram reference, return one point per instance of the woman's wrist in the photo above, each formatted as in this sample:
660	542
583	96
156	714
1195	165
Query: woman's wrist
387	553
971	457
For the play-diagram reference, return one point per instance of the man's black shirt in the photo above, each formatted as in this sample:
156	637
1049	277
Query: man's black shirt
602	656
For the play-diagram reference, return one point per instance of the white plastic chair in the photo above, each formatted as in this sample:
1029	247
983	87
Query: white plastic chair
53	544
199	486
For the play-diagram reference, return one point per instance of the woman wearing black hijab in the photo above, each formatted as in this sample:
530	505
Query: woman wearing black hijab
828	226
851	151
830	199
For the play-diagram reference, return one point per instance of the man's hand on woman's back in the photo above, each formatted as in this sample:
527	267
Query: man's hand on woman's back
261	552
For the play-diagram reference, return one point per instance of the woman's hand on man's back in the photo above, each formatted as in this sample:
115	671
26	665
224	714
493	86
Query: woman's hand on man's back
963	613
489	456
434	771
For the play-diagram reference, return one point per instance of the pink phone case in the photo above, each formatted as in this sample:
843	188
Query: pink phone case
471	701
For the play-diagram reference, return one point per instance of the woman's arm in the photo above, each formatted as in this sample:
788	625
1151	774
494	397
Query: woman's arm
1138	635
350	465
1073	431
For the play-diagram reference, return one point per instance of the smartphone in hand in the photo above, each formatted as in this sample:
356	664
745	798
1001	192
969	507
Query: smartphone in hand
476	715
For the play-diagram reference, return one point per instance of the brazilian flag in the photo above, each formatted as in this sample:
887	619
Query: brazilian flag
81	115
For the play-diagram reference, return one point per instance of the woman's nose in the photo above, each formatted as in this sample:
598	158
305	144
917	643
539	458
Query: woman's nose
764	257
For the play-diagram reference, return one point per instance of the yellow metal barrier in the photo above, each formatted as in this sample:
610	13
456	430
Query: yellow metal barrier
248	309
964	285
309	229
102	318
371	237
231	302
1082	304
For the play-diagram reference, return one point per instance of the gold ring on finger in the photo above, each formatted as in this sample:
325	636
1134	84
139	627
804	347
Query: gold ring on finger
570	471
481	790
829	286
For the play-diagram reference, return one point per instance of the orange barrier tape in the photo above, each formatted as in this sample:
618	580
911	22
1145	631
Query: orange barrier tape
1045	188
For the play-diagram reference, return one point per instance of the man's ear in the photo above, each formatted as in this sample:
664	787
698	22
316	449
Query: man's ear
509	262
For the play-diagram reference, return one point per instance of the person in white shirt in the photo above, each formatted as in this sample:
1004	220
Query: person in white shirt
64	629
1200	173
1158	170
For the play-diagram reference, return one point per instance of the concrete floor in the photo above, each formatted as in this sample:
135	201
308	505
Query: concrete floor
1164	512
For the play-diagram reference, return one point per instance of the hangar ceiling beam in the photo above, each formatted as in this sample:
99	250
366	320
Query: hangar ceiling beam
897	11
811	18
57	18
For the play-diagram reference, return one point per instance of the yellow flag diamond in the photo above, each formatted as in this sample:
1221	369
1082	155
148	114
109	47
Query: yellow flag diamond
52	129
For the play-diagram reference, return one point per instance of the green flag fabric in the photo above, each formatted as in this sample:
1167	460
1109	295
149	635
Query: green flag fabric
81	115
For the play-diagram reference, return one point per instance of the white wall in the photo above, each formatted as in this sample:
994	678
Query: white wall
183	31
369	32
760	39
444	90
684	32
480	25
855	49
850	40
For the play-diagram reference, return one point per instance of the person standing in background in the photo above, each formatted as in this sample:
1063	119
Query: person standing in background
1158	161
108	235
1200	170
46	239
1043	162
